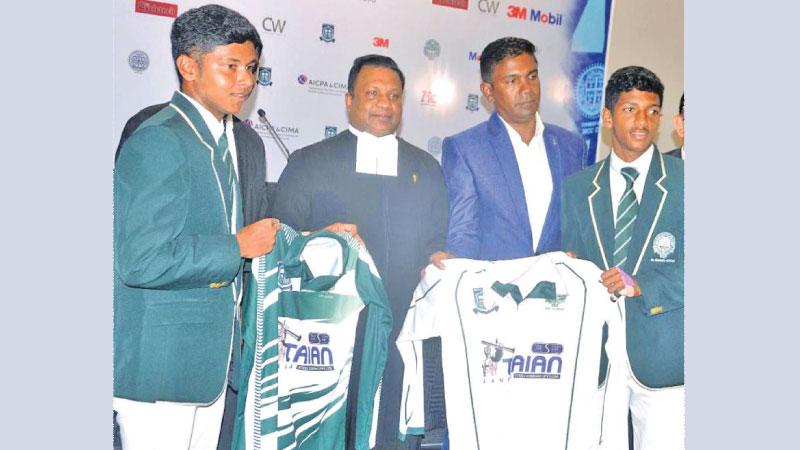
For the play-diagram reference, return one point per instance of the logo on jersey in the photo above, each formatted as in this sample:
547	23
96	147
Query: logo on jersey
544	361
555	303
315	355
480	307
663	246
284	284
493	353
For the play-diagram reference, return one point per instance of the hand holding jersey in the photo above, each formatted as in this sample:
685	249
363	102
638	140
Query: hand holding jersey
343	227
257	238
620	283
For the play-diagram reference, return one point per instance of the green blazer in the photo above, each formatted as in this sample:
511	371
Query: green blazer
175	262
654	320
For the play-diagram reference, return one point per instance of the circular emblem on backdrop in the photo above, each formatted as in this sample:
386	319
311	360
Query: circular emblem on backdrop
435	146
664	244
138	60
432	49
589	91
302	79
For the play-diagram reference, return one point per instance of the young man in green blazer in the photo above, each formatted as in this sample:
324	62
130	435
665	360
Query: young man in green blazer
625	214
179	241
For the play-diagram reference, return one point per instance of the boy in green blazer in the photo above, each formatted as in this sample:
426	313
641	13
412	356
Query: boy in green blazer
625	214
179	244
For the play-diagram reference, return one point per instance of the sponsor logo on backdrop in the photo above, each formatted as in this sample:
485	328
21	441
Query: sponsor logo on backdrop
327	33
432	49
435	146
535	15
283	131
322	86
460	4
368	1
473	102
330	131
380	42
139	61
589	91
156	8
474	56
273	25
265	76
488	6
428	98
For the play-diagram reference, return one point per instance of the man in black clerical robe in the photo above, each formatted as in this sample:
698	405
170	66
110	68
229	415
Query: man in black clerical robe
368	182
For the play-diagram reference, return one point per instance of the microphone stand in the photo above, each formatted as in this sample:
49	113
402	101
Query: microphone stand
262	117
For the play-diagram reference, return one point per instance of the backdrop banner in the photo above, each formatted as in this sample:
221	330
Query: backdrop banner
310	45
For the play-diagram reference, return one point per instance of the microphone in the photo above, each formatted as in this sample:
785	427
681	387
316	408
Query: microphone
262	117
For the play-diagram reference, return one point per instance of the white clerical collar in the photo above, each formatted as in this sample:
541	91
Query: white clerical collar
515	136
641	164
214	126
375	155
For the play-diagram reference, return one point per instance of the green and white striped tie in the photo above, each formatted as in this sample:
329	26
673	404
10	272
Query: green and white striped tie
228	160
626	216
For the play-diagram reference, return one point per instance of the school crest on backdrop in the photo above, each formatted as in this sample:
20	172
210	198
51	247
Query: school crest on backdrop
327	33
265	76
472	102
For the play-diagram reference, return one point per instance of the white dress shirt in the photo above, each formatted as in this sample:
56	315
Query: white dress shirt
617	180
375	155
534	170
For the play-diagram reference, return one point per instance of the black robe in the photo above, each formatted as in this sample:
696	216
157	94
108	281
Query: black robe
402	220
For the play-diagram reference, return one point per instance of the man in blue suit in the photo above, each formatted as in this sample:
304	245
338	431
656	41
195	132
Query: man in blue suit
504	175
625	214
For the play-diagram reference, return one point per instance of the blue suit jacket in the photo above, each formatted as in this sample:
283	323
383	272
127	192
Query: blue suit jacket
654	320
488	212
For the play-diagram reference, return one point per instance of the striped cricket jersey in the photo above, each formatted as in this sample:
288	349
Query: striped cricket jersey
300	316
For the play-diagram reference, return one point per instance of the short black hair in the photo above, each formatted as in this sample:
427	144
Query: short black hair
503	48
629	78
197	31
680	108
372	60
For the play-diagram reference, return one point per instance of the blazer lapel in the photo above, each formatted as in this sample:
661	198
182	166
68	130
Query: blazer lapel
191	114
551	222
500	142
652	203
601	213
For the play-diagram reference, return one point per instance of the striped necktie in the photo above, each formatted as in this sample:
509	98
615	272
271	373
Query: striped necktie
626	215
230	177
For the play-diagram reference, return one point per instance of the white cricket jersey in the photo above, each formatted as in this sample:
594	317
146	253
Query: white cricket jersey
521	350
304	302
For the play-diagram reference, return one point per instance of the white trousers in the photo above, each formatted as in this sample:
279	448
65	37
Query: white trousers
169	426
657	416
